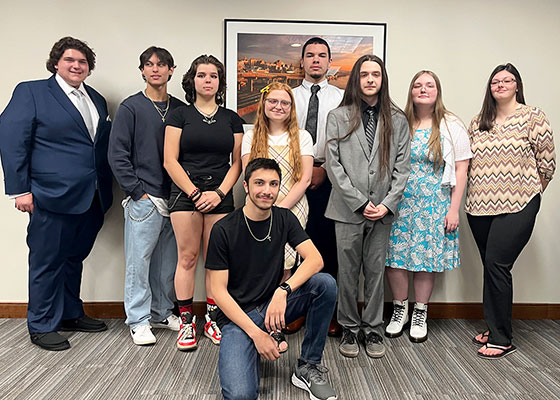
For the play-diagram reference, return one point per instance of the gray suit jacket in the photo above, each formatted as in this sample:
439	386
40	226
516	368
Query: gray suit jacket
355	174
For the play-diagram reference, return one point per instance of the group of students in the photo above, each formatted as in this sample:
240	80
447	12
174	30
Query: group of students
378	191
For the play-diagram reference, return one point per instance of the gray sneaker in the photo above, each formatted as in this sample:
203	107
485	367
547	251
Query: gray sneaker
313	379
349	344
374	344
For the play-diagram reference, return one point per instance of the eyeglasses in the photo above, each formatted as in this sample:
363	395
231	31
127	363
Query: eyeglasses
274	102
506	81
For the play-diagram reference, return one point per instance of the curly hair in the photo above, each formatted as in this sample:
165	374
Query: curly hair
188	78
69	43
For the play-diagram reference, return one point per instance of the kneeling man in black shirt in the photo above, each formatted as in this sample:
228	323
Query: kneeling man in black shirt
246	263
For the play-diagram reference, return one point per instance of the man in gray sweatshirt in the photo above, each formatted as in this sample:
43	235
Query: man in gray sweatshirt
136	158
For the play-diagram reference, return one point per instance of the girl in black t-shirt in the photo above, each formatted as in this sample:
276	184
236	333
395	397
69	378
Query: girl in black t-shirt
199	140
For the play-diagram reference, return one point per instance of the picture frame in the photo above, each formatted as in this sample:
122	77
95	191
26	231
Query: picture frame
258	52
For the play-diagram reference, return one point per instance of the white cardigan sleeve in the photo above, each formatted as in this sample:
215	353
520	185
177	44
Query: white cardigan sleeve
456	147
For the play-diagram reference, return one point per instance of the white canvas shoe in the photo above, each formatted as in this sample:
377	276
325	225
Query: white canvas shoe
398	320
142	335
419	324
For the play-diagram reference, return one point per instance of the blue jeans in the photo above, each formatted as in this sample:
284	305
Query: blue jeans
239	362
151	260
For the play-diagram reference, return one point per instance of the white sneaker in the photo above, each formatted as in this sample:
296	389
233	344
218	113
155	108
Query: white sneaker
172	323
398	320
142	335
419	325
186	338
211	330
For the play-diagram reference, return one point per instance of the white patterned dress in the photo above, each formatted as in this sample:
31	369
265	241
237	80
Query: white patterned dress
418	240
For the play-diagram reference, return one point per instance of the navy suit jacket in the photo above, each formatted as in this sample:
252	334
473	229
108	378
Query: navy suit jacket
47	150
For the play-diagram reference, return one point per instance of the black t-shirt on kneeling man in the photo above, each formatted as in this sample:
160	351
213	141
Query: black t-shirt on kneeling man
255	268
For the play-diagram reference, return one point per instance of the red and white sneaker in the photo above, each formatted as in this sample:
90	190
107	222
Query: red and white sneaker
186	338
211	330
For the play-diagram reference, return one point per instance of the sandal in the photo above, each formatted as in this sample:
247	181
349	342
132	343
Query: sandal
280	340
504	351
483	338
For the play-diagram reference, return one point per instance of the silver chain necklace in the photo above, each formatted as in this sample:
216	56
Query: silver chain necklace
161	113
251	232
208	118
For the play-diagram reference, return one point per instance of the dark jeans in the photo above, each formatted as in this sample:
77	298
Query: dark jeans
239	362
500	239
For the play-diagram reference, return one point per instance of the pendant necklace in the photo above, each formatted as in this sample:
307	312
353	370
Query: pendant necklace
162	113
208	118
251	232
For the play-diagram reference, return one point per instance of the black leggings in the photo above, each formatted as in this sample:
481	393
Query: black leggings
500	239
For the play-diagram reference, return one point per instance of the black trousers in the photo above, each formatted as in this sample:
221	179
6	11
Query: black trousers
321	229
500	239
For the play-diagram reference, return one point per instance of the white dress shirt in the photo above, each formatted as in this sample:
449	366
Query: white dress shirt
66	88
329	98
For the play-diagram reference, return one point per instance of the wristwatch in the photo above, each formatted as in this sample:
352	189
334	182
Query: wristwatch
286	286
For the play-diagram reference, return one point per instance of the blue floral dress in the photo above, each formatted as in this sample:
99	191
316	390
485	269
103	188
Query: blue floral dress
418	240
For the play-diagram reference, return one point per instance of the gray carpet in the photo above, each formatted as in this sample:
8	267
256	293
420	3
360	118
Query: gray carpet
108	366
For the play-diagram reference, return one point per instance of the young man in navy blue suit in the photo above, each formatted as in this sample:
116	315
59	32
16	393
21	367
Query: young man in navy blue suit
53	144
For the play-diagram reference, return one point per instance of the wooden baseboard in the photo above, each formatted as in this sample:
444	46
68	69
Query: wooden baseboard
436	310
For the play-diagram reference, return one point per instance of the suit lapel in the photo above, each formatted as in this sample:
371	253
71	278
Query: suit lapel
360	134
65	102
98	106
375	146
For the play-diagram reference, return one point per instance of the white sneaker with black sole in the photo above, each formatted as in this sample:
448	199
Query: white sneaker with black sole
172	323
142	335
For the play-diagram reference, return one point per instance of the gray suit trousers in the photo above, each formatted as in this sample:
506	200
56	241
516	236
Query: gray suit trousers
361	247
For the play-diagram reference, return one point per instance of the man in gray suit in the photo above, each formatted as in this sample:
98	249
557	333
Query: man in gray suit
368	163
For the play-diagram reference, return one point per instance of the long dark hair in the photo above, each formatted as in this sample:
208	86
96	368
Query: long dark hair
488	111
188	78
353	99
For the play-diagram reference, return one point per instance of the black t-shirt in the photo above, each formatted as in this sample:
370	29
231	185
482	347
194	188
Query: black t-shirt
255	268
205	148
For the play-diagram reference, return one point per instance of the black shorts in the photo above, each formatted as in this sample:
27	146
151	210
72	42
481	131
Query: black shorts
179	201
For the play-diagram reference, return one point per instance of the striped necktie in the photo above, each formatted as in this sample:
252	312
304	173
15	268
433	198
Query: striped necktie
370	127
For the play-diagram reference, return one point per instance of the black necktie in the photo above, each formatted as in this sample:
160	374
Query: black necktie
312	112
370	127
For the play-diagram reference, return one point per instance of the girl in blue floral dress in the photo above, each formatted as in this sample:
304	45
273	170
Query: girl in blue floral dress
425	238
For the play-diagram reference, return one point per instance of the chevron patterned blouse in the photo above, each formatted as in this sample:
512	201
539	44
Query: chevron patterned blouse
508	162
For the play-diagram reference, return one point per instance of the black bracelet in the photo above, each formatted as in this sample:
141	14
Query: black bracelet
196	196
220	193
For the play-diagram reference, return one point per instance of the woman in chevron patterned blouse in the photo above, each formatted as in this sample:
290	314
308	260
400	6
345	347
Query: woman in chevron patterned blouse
513	162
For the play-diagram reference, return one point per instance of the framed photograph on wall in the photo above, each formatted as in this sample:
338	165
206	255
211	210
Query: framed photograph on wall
258	52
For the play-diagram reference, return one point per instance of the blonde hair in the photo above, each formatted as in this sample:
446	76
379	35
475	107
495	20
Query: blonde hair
259	144
439	113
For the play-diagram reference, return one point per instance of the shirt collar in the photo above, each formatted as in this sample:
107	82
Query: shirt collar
306	84
365	106
66	88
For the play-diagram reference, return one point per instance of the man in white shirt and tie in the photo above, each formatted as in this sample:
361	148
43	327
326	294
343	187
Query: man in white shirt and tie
315	98
53	141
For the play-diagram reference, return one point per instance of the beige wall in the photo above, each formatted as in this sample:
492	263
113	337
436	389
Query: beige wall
461	41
